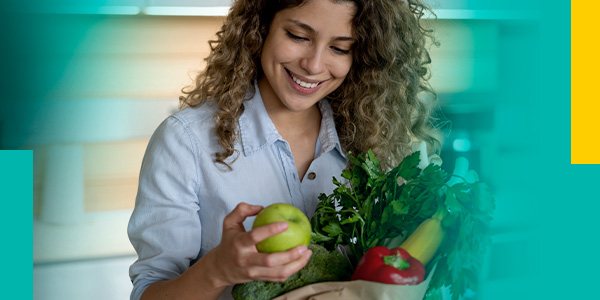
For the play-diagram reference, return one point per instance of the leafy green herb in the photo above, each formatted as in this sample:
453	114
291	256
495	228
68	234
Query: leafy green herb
322	266
372	208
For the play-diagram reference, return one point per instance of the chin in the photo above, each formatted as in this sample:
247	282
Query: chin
300	105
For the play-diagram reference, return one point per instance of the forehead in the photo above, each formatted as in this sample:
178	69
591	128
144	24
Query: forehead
321	15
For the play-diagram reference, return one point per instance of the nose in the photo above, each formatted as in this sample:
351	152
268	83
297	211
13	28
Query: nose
313	61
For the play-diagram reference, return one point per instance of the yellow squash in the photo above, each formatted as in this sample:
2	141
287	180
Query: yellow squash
424	242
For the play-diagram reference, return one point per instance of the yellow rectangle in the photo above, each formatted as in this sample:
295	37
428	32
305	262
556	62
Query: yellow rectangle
585	81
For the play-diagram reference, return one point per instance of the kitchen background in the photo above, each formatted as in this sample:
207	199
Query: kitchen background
104	75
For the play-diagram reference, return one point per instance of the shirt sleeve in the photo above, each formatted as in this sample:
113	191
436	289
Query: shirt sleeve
165	227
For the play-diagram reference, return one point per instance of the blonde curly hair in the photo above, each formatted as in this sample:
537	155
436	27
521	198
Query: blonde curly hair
377	107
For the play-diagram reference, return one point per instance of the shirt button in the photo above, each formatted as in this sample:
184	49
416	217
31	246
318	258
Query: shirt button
312	175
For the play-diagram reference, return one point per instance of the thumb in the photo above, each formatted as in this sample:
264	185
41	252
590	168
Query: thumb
243	210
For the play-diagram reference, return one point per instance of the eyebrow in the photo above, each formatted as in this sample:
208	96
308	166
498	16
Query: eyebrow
313	31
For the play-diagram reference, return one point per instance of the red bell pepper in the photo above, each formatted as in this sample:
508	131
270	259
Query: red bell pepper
392	266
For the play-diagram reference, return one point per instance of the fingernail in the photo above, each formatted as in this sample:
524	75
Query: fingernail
302	249
282	226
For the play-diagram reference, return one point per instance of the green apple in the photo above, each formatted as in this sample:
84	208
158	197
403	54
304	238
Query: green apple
298	232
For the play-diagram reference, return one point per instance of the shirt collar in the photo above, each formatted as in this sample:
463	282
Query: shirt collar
328	134
257	131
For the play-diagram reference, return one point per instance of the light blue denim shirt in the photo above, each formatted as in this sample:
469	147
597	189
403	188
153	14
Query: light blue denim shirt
184	195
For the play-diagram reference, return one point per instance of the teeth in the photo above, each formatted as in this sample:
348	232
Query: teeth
304	84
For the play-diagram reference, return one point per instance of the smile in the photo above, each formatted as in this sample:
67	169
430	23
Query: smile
304	84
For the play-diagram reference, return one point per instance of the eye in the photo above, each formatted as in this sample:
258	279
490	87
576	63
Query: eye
295	37
340	51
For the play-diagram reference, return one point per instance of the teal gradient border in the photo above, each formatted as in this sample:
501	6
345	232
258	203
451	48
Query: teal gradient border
16	195
568	214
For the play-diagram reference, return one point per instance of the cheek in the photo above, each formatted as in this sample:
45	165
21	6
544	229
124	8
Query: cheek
287	52
278	52
266	54
341	68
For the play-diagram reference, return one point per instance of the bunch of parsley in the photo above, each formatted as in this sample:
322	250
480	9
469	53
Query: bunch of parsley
378	208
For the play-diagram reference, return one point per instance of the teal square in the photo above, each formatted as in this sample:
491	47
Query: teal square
16	195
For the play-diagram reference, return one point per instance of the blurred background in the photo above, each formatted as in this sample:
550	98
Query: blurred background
101	75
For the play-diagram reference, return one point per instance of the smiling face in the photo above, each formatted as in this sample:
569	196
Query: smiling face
306	54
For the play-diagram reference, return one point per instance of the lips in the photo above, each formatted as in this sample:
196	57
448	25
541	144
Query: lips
303	82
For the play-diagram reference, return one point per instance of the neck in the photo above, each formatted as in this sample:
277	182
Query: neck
286	121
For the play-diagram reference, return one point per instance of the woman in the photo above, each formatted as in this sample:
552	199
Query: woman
289	88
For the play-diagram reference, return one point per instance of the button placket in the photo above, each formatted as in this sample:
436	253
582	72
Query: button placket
291	174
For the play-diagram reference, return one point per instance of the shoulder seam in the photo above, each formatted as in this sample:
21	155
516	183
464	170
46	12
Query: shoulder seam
194	147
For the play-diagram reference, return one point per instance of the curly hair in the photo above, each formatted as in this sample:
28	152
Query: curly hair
378	106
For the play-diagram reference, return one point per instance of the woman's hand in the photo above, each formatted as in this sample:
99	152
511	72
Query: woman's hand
237	260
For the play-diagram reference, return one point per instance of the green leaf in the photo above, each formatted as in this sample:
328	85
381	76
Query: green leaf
388	195
354	161
369	167
434	175
346	200
373	243
463	196
408	169
333	229
450	220
452	204
399	207
372	157
373	226
385	216
350	220
317	237
346	174
336	182
434	294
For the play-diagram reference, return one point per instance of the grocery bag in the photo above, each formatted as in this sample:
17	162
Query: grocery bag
358	290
